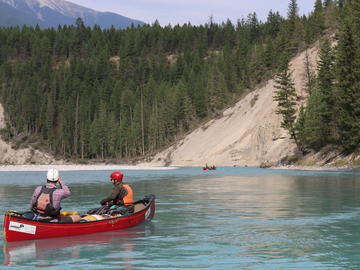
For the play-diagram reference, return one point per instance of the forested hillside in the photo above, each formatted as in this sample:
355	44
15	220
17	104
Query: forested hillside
331	115
86	93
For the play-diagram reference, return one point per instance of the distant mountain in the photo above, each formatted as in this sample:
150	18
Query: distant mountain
52	13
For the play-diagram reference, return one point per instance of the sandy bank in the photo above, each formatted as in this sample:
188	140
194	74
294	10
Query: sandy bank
246	134
77	167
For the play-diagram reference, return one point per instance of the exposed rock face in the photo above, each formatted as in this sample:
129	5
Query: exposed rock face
21	156
248	134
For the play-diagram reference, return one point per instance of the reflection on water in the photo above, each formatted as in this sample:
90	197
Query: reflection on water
56	251
274	196
235	218
273	218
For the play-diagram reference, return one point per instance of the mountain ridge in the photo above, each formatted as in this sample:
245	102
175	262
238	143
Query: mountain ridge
51	13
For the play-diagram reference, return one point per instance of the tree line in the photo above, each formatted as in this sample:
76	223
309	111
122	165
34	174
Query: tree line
92	93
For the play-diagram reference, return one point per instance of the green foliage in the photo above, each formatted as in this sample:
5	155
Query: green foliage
300	128
348	76
117	94
293	10
286	98
325	85
333	109
318	126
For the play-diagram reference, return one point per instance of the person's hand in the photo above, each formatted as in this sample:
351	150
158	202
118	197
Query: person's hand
60	181
103	202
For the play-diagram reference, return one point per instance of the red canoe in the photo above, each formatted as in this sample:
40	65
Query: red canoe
209	169
17	228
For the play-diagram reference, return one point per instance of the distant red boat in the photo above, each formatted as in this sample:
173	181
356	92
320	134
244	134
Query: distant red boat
17	228
209	169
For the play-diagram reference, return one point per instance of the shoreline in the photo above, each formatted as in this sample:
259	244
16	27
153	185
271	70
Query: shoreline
109	167
316	168
78	167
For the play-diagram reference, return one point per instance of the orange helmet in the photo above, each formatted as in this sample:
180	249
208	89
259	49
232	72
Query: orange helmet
117	176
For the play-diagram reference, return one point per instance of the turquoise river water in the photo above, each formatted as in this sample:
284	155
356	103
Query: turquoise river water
231	218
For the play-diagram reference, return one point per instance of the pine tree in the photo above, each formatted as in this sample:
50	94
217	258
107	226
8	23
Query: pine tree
327	3
293	30
325	83
286	98
348	77
318	124
300	129
309	74
318	24
310	132
293	10
217	89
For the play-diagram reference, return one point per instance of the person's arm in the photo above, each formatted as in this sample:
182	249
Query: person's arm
34	197
60	193
66	192
112	197
118	194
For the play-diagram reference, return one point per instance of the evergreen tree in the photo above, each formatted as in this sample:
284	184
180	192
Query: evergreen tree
293	30
310	123
318	18
293	10
318	123
300	129
348	77
285	95
328	3
309	74
325	83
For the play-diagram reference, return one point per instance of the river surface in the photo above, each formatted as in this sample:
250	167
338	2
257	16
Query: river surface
231	218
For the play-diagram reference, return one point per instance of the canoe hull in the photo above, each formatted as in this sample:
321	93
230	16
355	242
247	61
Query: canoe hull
19	229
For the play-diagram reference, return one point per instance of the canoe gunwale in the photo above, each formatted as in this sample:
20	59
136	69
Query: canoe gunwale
148	203
47	229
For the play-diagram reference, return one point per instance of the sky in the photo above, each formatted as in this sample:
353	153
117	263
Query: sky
194	11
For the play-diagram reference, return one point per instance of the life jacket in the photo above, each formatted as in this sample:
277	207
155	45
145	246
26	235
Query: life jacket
129	198
44	202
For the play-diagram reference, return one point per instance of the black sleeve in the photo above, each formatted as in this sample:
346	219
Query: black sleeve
112	196
117	193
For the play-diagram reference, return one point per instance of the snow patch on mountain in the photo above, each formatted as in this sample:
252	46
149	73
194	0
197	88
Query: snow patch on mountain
61	6
64	7
52	13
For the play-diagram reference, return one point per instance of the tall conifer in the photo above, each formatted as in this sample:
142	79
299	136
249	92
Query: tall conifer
285	95
348	77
